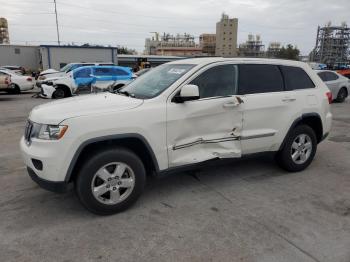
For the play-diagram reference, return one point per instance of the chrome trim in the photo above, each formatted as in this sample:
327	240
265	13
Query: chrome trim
209	141
258	136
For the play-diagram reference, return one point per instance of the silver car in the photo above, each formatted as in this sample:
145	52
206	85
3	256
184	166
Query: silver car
337	84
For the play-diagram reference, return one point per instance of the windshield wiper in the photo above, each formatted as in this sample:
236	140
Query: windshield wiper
126	93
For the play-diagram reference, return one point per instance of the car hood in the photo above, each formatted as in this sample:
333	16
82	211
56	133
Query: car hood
92	104
49	71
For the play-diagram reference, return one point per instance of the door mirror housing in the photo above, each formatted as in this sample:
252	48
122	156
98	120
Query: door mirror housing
187	93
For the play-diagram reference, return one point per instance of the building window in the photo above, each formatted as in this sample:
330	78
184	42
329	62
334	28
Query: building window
17	51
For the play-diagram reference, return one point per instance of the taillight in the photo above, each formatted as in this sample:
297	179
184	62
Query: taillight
7	80
29	79
330	97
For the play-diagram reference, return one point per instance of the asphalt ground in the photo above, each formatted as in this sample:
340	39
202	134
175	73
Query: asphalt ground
246	210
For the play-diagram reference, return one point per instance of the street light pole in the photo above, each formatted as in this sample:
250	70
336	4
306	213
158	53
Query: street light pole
58	33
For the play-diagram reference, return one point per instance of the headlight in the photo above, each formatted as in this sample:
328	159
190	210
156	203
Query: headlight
52	132
42	77
47	132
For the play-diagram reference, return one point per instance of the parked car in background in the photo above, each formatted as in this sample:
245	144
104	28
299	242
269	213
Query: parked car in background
178	115
339	85
84	79
19	82
5	81
50	73
18	69
344	72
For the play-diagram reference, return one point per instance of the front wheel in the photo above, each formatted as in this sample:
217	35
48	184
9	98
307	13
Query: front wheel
110	181
59	93
299	149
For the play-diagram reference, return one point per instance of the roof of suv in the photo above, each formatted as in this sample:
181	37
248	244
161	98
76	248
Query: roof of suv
209	60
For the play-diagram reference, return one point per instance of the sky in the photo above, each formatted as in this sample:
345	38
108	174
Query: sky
128	23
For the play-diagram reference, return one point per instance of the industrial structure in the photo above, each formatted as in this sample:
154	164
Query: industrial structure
170	45
273	49
226	36
253	47
207	43
4	31
332	45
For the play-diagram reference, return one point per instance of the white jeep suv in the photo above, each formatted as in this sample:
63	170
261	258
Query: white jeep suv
177	116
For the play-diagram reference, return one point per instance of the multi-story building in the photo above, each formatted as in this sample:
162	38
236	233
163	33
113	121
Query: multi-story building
226	36
208	44
4	31
170	45
253	47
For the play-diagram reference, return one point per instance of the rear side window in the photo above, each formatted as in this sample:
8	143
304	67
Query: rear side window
323	76
100	71
296	78
119	72
255	79
217	81
331	76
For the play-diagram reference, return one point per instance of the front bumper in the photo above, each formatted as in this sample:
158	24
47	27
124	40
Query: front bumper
51	154
47	91
58	187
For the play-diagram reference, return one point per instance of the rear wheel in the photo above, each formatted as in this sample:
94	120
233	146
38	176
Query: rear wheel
298	150
110	181
342	94
14	89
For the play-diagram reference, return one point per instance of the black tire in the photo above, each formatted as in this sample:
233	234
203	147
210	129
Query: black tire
14	89
342	94
284	156
85	178
59	93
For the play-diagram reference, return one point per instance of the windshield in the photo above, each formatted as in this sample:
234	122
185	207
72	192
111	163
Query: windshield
66	68
156	80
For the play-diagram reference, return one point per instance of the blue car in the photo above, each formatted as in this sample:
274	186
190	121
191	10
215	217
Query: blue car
86	79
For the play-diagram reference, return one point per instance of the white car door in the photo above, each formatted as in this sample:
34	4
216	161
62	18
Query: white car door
268	109
209	127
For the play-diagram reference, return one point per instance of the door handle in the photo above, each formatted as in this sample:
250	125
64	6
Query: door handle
288	99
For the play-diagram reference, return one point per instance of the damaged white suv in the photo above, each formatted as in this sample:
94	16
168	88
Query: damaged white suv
177	116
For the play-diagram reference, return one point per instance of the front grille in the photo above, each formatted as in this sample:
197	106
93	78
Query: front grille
28	131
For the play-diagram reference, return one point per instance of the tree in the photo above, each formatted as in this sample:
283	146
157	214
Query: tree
125	51
290	52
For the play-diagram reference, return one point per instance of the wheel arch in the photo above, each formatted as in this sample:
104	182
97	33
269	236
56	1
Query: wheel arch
134	142
66	88
310	119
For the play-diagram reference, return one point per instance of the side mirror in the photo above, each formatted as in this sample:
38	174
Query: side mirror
187	93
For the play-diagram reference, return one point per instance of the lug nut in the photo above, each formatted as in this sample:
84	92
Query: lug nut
119	183
114	188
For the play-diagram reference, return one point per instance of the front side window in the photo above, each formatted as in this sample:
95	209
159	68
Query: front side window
217	81
156	80
83	73
255	78
296	78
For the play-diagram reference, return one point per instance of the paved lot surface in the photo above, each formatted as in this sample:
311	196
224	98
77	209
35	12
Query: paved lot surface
246	210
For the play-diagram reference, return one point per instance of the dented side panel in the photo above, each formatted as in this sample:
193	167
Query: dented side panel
203	130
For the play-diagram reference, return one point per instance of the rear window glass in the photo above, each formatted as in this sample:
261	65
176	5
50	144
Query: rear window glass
255	79
296	78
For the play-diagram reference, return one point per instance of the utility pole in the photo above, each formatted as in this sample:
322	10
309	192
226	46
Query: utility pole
58	33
